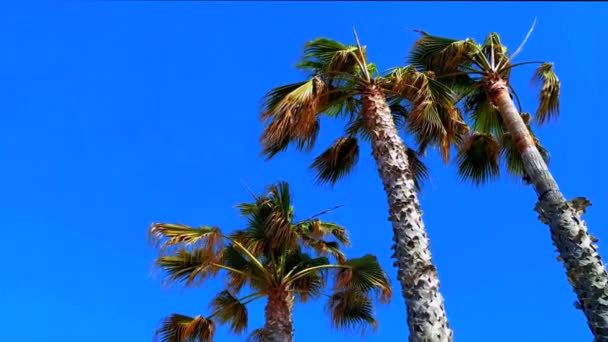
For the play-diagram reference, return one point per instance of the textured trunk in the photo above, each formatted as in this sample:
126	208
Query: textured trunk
584	268
279	325
426	317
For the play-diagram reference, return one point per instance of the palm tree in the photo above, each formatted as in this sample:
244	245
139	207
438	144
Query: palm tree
342	84
480	73
269	257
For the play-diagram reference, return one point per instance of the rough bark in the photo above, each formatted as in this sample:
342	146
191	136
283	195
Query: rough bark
279	324
426	316
584	267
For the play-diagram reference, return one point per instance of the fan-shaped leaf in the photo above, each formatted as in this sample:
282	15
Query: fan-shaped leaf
478	158
351	310
228	309
364	274
337	161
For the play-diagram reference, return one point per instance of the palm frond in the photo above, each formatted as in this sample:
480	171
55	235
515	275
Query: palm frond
192	268
327	56
478	158
433	118
365	274
248	273
337	161
548	98
309	284
180	328
484	115
229	309
168	236
351	310
291	113
442	55
494	51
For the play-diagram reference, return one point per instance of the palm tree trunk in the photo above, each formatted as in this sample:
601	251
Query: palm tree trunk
426	317
279	324
584	267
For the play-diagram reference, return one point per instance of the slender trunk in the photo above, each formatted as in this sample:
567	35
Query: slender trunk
279	324
426	317
584	267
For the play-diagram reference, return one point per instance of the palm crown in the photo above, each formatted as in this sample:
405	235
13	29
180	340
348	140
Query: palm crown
338	75
471	70
271	252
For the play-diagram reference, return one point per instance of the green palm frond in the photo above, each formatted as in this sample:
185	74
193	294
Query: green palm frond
248	273
494	51
167	236
281	197
442	55
337	161
419	171
311	284
327	56
192	268
478	158
365	274
351	310
229	309
548	98
180	328
484	115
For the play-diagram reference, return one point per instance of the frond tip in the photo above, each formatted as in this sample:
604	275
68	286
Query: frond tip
548	98
337	161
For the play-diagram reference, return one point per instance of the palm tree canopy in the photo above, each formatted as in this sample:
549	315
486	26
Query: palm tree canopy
273	251
469	69
337	76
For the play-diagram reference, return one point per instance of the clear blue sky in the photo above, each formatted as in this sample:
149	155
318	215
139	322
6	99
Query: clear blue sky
114	115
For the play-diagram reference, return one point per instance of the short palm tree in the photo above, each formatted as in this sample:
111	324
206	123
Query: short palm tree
343	85
480	74
269	258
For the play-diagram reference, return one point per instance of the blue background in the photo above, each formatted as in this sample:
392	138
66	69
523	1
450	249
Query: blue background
117	114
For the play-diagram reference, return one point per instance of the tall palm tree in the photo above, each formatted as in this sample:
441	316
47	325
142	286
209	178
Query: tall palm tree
269	257
342	84
480	74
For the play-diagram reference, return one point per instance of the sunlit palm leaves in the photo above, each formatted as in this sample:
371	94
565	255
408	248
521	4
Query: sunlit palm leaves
454	61
548	98
191	268
469	68
338	76
180	328
269	253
